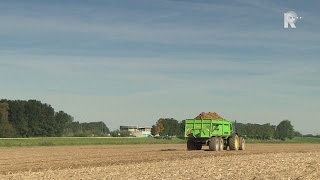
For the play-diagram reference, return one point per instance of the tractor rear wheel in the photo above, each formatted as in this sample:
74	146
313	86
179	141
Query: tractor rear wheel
242	143
221	144
214	144
234	142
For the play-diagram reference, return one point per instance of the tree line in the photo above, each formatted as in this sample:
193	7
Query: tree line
172	127
20	118
267	131
86	129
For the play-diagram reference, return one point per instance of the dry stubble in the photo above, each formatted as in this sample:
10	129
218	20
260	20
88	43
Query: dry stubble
283	161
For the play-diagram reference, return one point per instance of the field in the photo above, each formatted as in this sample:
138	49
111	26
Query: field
62	141
160	161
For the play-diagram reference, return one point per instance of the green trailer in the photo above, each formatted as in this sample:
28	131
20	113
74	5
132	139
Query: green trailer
218	134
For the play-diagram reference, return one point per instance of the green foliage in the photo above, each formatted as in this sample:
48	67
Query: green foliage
32	118
6	129
160	127
181	128
311	135
72	129
153	130
167	126
297	134
267	132
125	133
122	133
284	130
18	119
62	120
256	131
295	140
86	129
95	128
115	133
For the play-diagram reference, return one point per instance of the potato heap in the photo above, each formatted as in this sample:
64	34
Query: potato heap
209	115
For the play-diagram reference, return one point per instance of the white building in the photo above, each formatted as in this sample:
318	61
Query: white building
137	131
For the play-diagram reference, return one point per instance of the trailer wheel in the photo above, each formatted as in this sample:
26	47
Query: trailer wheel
242	143
198	146
221	144
225	147
190	145
234	142
214	144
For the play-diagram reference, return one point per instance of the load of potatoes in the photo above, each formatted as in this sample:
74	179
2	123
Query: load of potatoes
208	115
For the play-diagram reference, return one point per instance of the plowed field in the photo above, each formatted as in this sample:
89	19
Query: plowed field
258	161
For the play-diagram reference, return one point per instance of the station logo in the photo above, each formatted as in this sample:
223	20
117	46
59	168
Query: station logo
289	19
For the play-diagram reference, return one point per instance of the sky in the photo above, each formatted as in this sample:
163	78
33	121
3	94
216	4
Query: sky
128	62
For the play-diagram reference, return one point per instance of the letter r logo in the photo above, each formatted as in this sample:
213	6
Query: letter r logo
289	18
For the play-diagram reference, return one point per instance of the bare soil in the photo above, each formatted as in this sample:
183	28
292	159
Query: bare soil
170	161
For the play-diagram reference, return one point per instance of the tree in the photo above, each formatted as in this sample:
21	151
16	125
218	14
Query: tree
6	129
267	131
33	118
160	127
40	117
297	134
125	133
167	126
256	131
115	133
284	130
73	129
154	130
62	119
181	128
17	118
30	118
94	128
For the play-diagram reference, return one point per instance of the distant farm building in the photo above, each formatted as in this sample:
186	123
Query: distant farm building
137	131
